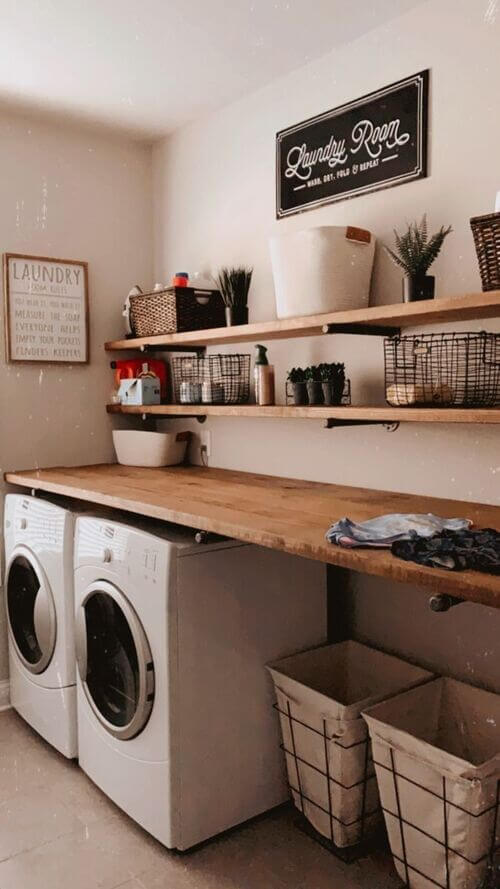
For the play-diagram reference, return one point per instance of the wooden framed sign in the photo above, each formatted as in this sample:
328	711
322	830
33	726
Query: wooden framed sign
374	142
46	309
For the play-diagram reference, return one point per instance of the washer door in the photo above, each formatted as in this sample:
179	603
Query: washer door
31	611
114	661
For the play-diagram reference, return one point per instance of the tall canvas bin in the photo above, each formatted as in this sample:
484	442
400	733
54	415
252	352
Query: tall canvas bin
323	269
320	695
437	758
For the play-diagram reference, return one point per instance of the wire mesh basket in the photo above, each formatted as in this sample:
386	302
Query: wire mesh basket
216	379
443	369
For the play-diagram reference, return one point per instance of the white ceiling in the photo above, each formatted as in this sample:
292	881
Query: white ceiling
148	67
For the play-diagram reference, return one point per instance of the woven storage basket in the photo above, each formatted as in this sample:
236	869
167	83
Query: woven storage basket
174	310
486	231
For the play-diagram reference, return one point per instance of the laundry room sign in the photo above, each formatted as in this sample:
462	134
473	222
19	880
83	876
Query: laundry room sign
374	142
46	309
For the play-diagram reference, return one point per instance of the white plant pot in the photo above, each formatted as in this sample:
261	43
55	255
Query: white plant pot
320	270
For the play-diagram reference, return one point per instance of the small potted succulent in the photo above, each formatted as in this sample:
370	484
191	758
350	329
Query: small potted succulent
332	382
234	284
297	379
414	253
313	383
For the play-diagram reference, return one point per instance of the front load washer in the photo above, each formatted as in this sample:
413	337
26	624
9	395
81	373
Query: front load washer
175	715
40	610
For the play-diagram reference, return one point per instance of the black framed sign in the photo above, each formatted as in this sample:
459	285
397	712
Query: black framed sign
374	142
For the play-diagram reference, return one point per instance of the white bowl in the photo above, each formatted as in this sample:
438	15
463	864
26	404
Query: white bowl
137	447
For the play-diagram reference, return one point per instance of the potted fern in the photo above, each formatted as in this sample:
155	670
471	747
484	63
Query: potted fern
415	252
234	284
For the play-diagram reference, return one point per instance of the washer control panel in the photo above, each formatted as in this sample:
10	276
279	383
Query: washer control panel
138	559
39	522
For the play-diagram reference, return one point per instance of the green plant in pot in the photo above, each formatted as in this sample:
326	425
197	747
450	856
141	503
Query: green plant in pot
297	379
234	284
313	383
415	252
332	382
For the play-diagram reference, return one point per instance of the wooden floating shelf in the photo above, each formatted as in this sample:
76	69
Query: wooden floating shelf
375	319
356	414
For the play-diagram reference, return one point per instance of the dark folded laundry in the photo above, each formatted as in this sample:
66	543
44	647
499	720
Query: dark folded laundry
454	550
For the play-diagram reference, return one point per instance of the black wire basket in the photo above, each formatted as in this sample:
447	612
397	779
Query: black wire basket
443	369
216	379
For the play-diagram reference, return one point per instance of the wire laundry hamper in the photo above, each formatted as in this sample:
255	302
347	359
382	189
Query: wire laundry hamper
216	379
443	369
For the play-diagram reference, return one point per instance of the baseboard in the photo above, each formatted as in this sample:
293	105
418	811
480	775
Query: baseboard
4	694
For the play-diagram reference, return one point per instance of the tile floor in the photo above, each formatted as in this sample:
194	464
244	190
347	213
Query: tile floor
58	831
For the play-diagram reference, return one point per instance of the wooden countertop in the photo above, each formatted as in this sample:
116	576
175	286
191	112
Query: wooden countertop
285	514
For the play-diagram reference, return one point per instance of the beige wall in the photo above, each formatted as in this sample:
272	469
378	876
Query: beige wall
214	204
75	195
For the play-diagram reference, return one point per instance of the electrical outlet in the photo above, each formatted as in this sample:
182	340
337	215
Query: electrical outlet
206	442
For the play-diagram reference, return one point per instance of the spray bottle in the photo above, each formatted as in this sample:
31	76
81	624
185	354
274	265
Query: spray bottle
264	377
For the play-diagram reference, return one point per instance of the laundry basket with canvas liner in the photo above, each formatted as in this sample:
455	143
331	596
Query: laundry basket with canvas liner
437	757
320	695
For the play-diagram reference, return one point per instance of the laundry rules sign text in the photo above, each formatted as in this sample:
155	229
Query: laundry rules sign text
46	303
375	142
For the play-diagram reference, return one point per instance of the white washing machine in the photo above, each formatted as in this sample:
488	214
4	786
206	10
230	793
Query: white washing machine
40	610
175	717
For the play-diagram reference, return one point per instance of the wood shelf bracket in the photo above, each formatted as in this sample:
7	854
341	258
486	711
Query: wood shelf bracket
336	423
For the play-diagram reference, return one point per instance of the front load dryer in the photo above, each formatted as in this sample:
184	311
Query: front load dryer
40	611
175	708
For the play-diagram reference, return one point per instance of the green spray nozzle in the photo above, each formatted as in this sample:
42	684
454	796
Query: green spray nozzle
261	356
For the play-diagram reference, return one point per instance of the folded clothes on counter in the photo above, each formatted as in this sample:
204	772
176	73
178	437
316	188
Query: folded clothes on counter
454	550
384	530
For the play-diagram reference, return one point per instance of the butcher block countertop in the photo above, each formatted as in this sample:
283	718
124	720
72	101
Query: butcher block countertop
281	513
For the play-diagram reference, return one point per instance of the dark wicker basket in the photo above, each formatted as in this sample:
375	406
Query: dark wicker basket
216	379
486	231
443	369
174	310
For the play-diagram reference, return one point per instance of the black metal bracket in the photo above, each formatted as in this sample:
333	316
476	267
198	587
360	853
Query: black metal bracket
443	602
198	350
361	329
201	418
335	423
